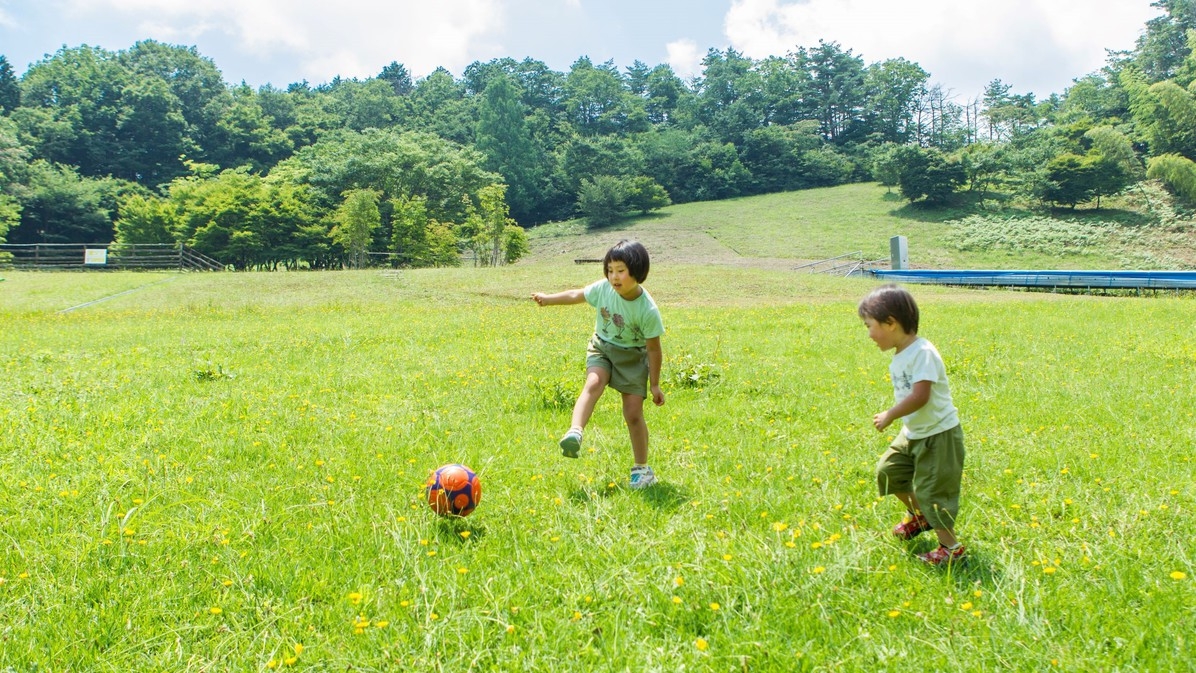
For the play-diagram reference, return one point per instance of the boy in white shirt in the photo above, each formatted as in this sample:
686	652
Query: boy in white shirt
924	464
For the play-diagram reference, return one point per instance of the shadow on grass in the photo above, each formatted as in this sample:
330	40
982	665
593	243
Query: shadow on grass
976	569
458	529
661	495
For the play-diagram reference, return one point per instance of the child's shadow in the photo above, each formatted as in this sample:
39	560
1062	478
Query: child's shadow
977	569
661	495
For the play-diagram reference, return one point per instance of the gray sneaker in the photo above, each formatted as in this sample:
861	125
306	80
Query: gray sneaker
642	476
571	444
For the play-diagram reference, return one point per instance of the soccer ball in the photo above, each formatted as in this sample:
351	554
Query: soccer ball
453	490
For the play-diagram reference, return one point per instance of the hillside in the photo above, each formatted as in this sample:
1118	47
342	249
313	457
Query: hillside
1139	230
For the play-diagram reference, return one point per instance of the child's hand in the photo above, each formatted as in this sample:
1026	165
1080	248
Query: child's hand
538	297
881	421
657	396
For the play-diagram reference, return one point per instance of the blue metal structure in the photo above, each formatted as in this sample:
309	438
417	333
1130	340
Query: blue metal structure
1153	280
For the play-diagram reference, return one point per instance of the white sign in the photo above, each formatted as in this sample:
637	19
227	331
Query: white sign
95	256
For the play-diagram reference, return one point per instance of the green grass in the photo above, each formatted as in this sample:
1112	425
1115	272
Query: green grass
205	473
784	230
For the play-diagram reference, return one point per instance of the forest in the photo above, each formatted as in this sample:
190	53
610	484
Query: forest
151	145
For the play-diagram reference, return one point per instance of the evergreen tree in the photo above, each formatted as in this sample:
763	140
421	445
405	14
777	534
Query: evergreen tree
10	89
503	136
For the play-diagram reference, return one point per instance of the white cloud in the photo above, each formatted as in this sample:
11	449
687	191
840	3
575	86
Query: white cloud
1033	45
350	38
685	57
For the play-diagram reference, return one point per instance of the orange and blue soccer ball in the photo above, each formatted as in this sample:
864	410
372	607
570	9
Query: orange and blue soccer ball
453	490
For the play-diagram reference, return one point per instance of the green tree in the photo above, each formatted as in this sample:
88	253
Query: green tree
1167	115
1115	146
597	103
397	76
418	241
837	90
894	88
246	136
356	219
394	163
927	174
1163	45
438	105
10	88
145	219
492	229
1175	171
1071	179
503	137
602	201
60	206
645	194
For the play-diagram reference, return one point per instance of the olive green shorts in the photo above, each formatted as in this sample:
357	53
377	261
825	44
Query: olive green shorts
628	367
930	468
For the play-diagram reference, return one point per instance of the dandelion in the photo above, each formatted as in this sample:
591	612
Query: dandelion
381	624
1048	570
462	571
676	600
894	613
701	644
272	664
215	610
726	557
355	598
966	606
819	569
290	661
298	648
779	526
1178	575
815	545
715	607
510	628
678	581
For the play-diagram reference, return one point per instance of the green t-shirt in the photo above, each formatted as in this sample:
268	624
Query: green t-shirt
624	323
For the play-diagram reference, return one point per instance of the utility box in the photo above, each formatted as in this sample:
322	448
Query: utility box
898	253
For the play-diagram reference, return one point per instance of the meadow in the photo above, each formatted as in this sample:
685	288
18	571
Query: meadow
212	472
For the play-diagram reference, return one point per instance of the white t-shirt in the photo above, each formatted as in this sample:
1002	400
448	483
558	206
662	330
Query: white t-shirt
624	323
920	361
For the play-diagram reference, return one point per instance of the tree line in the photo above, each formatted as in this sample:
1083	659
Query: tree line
151	145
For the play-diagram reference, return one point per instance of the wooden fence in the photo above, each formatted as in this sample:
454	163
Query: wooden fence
99	256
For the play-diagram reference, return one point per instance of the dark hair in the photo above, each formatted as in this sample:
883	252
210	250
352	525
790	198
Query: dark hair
891	301
631	253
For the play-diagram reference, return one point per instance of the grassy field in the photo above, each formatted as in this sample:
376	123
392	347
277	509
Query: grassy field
213	472
1134	231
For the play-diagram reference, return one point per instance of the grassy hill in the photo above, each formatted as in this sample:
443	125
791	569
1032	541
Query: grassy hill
1136	231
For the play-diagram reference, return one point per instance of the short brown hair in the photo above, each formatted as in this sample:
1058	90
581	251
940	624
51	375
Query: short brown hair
891	301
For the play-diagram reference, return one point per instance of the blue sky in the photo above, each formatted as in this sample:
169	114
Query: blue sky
1036	46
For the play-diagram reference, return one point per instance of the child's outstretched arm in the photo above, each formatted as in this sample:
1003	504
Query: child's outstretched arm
655	357
567	297
917	398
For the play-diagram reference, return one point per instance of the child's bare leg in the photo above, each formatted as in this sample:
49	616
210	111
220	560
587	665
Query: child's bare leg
596	380
910	501
633	413
946	537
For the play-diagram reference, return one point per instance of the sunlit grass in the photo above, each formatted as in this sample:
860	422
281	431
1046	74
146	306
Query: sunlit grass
223	472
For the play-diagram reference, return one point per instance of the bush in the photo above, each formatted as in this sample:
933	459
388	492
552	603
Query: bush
1178	173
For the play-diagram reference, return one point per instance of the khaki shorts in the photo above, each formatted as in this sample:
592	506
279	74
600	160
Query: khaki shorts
930	468
628	367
